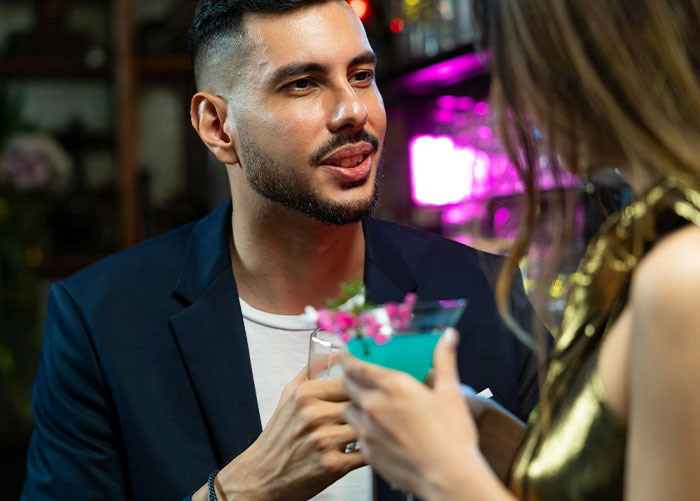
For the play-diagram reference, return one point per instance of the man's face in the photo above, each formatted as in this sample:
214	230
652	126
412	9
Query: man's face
309	117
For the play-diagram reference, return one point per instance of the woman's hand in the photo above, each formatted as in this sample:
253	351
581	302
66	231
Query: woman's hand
421	440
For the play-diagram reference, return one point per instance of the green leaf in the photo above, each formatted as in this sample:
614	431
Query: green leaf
348	291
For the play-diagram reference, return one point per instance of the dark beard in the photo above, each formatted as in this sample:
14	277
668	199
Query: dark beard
285	186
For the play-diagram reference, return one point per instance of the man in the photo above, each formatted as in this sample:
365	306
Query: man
166	362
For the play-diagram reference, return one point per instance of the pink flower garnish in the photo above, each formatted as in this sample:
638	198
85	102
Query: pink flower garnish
344	321
392	310
369	325
400	314
381	339
349	324
325	320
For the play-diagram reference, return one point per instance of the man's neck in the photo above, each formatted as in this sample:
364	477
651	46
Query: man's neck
284	261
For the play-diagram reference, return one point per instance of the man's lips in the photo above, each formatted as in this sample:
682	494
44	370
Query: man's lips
351	174
349	155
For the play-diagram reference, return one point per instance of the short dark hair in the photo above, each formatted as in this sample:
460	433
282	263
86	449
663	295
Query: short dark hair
215	20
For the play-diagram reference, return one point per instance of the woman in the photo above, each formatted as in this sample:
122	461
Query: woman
609	83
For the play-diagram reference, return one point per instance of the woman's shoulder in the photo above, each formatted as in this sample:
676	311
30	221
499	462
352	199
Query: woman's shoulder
666	287
671	266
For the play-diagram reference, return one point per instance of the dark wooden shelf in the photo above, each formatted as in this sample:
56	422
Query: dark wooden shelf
39	67
164	66
147	66
123	71
105	3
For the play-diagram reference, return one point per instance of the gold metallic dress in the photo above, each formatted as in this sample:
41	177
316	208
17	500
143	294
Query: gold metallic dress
575	446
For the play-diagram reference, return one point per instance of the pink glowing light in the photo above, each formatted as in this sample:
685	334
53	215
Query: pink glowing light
464	212
440	172
481	108
447	102
500	218
446	172
465	103
455	216
443	116
445	73
484	132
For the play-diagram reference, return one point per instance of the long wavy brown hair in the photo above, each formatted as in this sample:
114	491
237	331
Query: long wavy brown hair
614	82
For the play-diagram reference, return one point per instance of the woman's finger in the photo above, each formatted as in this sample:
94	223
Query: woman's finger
354	391
354	417
445	360
361	373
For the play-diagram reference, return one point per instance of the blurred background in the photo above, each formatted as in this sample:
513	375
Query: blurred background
97	154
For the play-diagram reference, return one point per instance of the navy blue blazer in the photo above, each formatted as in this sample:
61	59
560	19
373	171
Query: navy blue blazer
145	382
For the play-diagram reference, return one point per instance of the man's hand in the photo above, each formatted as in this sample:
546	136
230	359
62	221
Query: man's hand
300	452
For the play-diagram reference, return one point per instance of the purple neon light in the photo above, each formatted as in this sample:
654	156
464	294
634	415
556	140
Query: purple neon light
444	173
446	73
447	102
481	108
465	103
460	214
484	132
443	116
500	219
441	173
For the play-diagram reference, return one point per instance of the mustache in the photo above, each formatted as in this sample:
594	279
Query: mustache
341	139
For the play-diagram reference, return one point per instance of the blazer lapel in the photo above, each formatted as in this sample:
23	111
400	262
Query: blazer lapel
211	337
387	275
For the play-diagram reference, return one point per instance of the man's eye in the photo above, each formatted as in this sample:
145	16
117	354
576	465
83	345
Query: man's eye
363	76
302	84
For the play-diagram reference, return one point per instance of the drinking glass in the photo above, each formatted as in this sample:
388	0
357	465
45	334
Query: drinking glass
410	348
324	348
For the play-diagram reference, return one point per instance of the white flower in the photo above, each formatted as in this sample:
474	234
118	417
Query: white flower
354	302
36	161
311	314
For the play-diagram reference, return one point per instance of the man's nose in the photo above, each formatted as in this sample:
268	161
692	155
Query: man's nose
349	113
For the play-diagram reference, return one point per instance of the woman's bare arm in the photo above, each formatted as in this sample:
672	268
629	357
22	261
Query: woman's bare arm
663	450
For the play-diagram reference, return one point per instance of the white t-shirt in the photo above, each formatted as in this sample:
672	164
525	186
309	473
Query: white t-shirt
279	349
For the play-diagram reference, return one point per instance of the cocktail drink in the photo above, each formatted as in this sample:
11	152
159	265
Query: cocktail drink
408	348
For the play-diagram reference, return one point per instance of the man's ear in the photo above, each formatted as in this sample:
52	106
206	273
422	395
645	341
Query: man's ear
208	114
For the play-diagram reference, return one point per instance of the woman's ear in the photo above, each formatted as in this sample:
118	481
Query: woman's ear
208	114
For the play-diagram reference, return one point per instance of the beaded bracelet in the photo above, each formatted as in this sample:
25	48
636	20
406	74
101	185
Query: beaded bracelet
210	483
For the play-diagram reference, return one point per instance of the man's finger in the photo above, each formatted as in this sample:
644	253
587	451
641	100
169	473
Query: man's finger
301	377
298	380
330	412
343	434
349	460
330	390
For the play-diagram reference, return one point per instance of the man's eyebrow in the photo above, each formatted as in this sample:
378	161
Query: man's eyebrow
292	70
368	57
